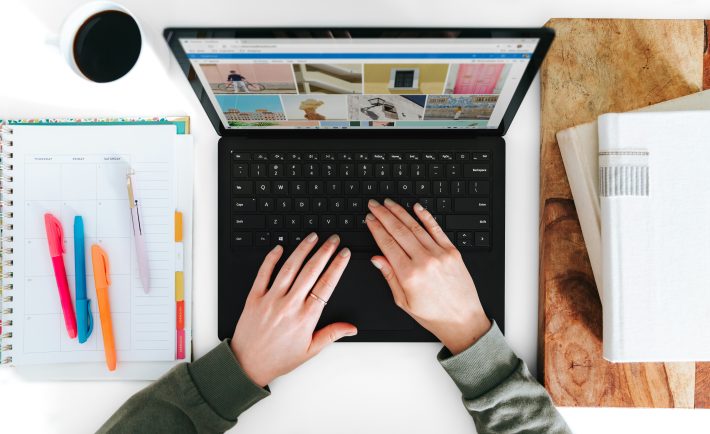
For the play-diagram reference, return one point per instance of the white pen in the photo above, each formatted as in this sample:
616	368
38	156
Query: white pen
141	254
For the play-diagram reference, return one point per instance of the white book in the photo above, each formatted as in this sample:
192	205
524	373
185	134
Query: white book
579	147
655	236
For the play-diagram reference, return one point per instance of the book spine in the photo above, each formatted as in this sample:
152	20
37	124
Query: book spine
6	244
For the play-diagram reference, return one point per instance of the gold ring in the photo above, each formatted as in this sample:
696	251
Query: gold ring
318	298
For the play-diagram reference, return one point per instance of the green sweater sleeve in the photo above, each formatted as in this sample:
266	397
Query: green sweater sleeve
498	390
203	397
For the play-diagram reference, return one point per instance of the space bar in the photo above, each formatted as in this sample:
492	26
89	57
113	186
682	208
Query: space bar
357	240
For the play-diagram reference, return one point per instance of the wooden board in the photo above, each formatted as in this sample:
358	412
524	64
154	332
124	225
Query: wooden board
596	66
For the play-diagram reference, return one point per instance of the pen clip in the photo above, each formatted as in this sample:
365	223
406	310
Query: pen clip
106	265
129	186
89	318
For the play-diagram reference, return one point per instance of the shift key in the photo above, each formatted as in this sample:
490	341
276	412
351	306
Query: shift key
466	222
249	222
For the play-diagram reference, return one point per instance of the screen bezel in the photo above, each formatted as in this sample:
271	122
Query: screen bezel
544	34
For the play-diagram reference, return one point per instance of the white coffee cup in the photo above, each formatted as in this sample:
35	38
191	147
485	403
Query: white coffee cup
110	63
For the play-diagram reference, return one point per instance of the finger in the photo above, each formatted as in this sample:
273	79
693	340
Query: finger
432	226
396	228
261	282
387	243
382	264
417	230
290	268
329	334
328	281
314	267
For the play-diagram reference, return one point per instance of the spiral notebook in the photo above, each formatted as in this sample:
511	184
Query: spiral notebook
79	168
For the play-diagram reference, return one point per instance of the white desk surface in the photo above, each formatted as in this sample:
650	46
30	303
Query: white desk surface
349	388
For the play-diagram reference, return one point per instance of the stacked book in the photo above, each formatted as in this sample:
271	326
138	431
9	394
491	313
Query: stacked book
640	186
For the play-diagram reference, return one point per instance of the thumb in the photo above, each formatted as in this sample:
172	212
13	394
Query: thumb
329	334
382	264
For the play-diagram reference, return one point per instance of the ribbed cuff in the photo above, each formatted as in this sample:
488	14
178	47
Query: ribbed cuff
482	366
223	383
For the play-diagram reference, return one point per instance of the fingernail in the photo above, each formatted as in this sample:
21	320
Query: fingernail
345	252
418	207
376	264
369	216
390	202
312	237
277	248
373	203
335	239
351	333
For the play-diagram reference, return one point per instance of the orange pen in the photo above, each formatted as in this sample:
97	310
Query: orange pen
99	260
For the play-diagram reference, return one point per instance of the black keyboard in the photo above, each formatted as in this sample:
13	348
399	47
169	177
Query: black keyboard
278	198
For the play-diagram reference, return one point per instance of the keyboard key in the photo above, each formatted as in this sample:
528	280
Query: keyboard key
280	187
328	222
345	156
471	205
386	188
378	156
310	170
295	238
240	239
293	170
277	156
369	187
446	156
328	156
315	187
243	187
328	170
475	170
354	205
333	187
479	188
347	170
382	170
440	188
246	204
294	156
436	171
292	222
346	222
427	203
261	239
400	170
266	205
238	156
362	156
407	203
462	156
464	239
240	170
466	222
249	222
312	156
404	187
319	204
395	156
276	221
283	204
298	187
263	187
428	156
364	170
351	187
453	170
443	205
261	156
337	205
411	156
310	222
418	170
480	156
458	188
482	239
280	238
301	204
258	170
423	188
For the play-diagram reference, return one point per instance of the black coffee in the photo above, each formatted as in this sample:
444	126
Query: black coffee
107	46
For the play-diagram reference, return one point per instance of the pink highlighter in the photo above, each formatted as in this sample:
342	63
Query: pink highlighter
55	238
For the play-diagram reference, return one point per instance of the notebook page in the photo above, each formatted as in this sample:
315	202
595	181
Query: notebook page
81	170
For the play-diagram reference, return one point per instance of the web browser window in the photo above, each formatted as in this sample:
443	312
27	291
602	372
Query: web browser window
360	83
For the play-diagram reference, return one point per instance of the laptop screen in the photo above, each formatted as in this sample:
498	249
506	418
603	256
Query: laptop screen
360	83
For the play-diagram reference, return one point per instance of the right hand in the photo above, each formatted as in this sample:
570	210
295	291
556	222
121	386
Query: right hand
427	275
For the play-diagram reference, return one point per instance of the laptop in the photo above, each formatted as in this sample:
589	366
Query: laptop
315	122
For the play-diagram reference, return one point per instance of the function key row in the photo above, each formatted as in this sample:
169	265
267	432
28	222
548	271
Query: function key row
360	156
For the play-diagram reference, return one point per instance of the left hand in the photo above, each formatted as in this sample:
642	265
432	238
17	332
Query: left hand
275	333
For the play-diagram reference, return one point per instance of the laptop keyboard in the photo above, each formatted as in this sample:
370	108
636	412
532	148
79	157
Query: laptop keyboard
278	198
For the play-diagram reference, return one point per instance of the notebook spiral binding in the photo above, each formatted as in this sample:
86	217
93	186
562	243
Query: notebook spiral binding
6	243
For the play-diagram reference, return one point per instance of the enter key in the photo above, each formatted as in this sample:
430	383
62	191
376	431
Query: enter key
471	204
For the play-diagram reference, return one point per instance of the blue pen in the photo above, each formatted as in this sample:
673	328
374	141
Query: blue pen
84	321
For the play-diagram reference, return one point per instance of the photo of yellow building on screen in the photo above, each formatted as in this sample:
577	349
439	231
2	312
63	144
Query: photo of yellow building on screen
400	78
460	107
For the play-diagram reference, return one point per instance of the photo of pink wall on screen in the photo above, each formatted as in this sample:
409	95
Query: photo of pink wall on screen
477	79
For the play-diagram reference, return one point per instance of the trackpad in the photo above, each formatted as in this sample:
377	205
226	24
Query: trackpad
364	299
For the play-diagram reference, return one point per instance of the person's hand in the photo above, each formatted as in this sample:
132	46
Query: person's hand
427	275
275	333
